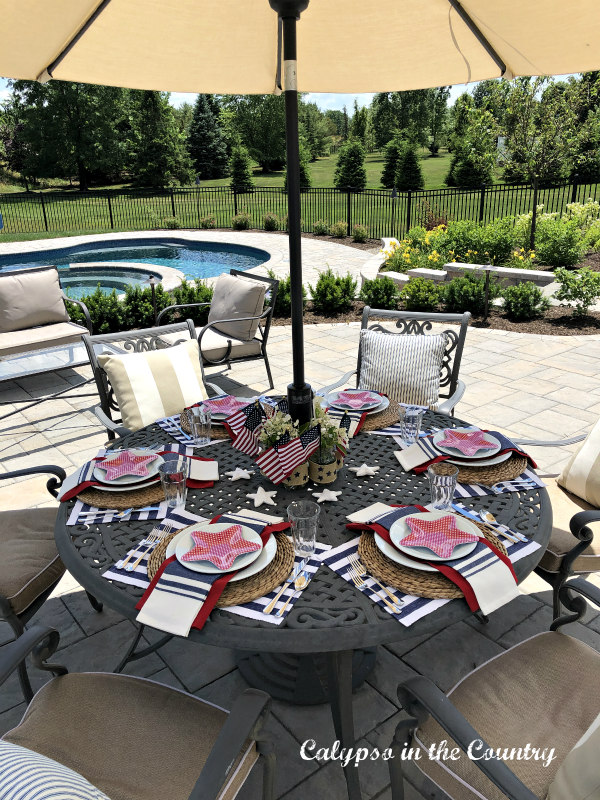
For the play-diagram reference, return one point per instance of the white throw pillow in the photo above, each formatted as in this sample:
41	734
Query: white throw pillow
405	367
27	775
155	384
235	296
578	777
581	475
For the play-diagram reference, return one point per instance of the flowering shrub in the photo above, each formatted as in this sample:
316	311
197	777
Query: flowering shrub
522	259
583	214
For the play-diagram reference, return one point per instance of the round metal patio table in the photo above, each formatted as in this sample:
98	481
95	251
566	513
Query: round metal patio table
331	617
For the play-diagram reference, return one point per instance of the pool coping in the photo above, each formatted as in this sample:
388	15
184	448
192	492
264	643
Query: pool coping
169	278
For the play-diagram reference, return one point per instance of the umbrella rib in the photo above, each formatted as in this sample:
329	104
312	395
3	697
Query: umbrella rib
471	25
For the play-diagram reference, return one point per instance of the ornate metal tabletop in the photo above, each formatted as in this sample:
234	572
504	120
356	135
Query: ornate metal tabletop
331	615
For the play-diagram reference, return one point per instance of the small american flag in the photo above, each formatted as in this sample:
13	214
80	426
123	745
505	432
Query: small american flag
243	427
280	461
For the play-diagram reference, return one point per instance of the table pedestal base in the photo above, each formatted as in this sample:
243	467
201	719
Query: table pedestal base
299	679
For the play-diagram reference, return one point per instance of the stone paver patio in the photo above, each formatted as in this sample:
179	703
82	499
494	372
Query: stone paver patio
529	386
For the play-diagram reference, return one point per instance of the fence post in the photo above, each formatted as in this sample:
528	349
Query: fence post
575	187
44	210
234	202
534	214
481	204
172	202
349	212
110	214
408	209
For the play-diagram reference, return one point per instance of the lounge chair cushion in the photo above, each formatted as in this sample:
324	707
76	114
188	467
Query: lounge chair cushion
57	333
156	383
578	777
214	346
581	475
28	299
564	506
404	367
29	561
24	773
146	741
553	674
235	296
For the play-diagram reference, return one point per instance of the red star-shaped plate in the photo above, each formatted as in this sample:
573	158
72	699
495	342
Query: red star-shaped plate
126	463
221	548
224	405
357	399
468	442
440	535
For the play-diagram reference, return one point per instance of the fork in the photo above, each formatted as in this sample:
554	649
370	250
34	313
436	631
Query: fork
290	579
151	540
505	486
359	583
362	572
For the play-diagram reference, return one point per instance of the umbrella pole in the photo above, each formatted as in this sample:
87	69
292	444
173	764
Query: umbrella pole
299	392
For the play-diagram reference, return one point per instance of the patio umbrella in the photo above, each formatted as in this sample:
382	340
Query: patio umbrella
243	47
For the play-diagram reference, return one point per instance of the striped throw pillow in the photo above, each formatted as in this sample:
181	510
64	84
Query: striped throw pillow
26	775
405	367
581	475
155	384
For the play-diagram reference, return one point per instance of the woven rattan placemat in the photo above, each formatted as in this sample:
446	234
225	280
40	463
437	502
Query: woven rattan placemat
216	431
412	581
243	591
382	419
506	471
121	500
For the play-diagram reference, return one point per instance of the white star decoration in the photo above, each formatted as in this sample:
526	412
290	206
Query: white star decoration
239	474
364	471
326	496
260	497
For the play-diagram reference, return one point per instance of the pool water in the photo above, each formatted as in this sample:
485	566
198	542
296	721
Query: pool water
79	282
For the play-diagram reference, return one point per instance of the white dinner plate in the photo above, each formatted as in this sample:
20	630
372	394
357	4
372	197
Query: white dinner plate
123	480
394	555
265	556
218	416
186	543
385	401
454	451
400	530
485	462
371	405
131	487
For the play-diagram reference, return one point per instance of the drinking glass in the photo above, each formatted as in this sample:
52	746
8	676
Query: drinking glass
410	423
442	483
200	425
303	516
173	475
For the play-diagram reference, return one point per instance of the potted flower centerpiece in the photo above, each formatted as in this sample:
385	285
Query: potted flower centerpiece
328	458
278	429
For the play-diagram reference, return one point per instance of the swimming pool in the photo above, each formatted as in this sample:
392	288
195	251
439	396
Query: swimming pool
79	281
194	259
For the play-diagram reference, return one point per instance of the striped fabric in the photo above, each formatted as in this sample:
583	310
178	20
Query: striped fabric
152	385
581	475
26	775
404	367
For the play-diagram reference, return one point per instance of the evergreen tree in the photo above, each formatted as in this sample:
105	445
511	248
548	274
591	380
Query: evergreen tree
350	172
240	170
345	127
161	158
206	144
408	171
390	165
358	126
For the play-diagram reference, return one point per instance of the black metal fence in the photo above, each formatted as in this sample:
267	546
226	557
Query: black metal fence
383	212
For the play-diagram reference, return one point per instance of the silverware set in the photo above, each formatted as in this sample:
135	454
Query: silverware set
175	424
89	516
358	572
291	578
145	546
511	486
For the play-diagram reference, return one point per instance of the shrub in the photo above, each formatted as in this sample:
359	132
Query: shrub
240	171
421	294
285	223
524	301
192	292
583	214
416	236
467	293
333	293
497	239
208	222
172	223
579	288
522	259
106	311
360	233
591	239
241	221
339	229
465	241
270	222
283	302
559	242
431	217
138	311
380	293
321	227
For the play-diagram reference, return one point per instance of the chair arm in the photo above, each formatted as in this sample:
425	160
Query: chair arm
216	389
341	382
181	305
53	484
15	652
243	723
108	423
84	308
212	324
580	531
421	698
590	591
550	443
448	404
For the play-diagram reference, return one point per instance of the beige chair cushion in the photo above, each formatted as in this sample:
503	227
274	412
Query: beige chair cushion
40	338
132	738
28	299
581	475
214	346
29	562
551	677
235	296
404	367
578	777
564	506
155	384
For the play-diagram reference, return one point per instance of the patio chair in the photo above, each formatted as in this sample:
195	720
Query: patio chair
542	693
134	738
238	322
129	402
391	365
30	566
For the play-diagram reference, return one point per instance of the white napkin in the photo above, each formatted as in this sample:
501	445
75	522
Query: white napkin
412	457
203	470
369	513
